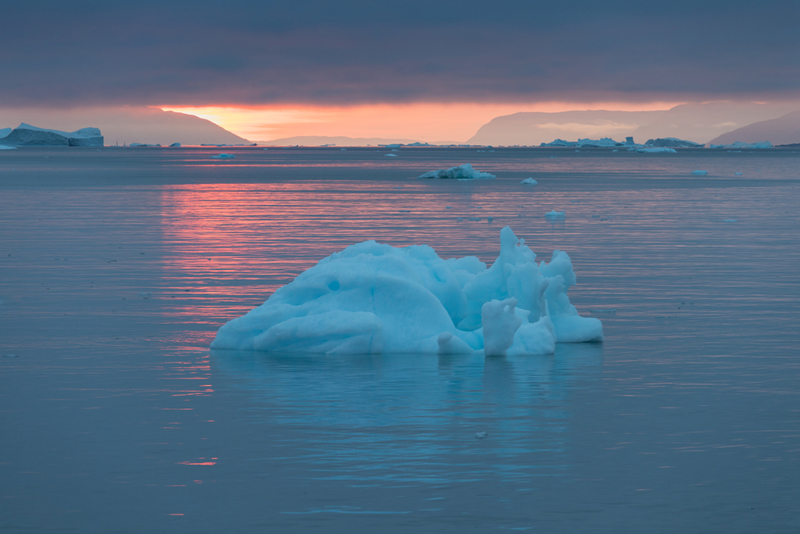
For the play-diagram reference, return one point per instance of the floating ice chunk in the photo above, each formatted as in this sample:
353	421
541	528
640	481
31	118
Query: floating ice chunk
342	149
656	150
224	156
699	172
555	215
391	155
481	435
529	181
463	172
737	173
5	147
373	298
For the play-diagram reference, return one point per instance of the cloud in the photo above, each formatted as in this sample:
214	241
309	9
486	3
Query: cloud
200	52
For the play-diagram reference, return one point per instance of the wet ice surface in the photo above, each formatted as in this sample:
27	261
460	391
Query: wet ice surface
117	268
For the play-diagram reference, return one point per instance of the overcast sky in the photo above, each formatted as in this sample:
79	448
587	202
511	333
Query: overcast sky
201	53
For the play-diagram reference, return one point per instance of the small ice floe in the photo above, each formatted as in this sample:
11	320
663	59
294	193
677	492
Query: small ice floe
395	150
481	435
405	211
6	147
737	174
656	150
730	220
342	149
529	181
391	155
463	172
224	156
268	149
699	172
448	207
615	150
555	215
553	157
490	219
9	356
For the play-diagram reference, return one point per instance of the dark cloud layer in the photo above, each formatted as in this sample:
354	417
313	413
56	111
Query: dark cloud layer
255	52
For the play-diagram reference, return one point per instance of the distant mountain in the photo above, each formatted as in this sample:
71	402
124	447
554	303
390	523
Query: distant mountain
533	128
784	130
128	125
320	140
703	122
696	122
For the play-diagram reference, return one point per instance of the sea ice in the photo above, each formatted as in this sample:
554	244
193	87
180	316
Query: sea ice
224	156
374	298
657	150
737	173
529	181
699	172
555	215
464	172
391	155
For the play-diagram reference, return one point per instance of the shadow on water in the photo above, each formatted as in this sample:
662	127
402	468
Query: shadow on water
412	417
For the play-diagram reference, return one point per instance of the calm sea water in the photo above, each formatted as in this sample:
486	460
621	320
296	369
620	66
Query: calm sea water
118	265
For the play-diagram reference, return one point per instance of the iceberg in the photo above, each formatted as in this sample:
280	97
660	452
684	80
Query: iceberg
672	142
529	181
657	150
144	145
555	215
27	135
739	144
699	172
175	145
588	143
373	298
224	156
463	172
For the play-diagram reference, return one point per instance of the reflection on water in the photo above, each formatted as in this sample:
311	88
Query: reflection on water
116	270
414	418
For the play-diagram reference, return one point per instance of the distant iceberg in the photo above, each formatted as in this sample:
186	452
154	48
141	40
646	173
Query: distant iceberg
463	172
390	155
672	142
587	143
224	156
529	181
699	172
657	150
144	145
372	298
175	145
27	135
555	215
739	144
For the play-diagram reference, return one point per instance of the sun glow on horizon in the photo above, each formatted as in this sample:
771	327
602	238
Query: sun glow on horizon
427	122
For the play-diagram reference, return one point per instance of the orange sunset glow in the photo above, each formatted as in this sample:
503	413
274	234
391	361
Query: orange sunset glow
428	122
